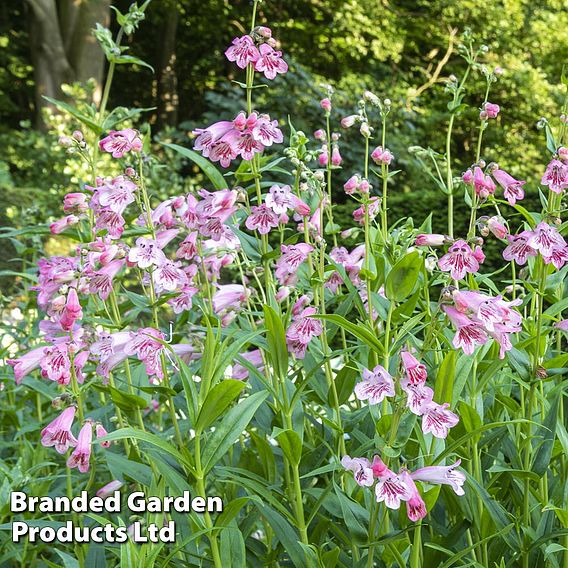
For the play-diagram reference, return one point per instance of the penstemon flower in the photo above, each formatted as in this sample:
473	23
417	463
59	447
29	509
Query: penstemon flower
375	386
81	455
58	432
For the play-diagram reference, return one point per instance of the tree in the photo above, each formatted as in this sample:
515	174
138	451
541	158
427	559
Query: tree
63	49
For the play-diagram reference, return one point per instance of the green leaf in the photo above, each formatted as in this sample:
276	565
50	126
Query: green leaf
230	428
403	277
444	385
217	400
86	120
276	337
130	433
126	401
357	330
122	59
205	165
286	534
547	431
291	445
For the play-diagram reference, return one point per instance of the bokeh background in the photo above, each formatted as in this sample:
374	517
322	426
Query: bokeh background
401	49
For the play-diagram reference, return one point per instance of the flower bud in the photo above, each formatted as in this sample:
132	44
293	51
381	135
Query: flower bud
326	104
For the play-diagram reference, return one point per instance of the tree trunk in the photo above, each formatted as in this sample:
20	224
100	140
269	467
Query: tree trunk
63	48
167	94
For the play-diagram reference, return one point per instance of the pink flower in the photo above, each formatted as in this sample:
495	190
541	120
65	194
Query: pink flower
430	240
418	396
469	333
72	311
558	257
25	364
519	248
415	506
278	198
266	131
270	62
381	156
75	203
392	489
146	253
119	142
58	432
183	301
301	331
361	468
242	51
229	296
117	194
292	257
82	453
168	277
101	432
207	137
460	260
512	189
546	239
336	156
351	184
59	226
375	386
240	372
413	369
348	121
226	149
483	184
562	325
555	176
497	226
109	488
437	419
100	281
319	134
373	208
442	475
262	219
490	110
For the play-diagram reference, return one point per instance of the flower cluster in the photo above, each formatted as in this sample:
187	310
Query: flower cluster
393	488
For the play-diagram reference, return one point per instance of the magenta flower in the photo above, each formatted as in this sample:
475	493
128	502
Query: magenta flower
270	62
381	156
207	137
75	203
146	253
292	257
71	312
254	357
325	104
262	219
109	488
497	226
415	506
442	475
555	176
101	432
519	248
482	183
512	189
469	332
437	419
82	453
168	277
58	432
266	131
59	226
100	281
25	364
336	158
349	121
489	110
375	386
373	206
461	259
229	296
184	300
117	194
392	489
242	51
361	468
120	142
546	239
414	370
278	198
430	240
301	331
418	396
